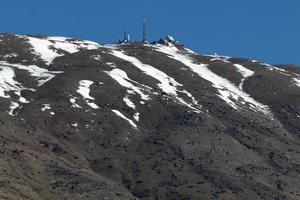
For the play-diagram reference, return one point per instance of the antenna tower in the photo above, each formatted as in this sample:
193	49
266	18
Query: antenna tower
144	31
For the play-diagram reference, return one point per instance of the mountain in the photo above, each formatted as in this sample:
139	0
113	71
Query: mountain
133	120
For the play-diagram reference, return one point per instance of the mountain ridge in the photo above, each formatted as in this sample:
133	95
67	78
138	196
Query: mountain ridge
144	121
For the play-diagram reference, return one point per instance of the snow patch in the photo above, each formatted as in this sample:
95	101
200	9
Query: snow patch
190	51
121	77
42	48
73	124
111	64
136	116
245	73
118	113
228	91
273	68
73	102
296	81
217	57
7	82
8	85
12	55
13	106
42	75
128	102
133	87
96	57
71	45
45	107
84	90
47	48
166	83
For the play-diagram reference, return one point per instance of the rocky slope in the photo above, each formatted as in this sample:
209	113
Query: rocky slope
81	120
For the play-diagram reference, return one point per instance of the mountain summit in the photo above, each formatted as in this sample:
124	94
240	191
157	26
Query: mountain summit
80	120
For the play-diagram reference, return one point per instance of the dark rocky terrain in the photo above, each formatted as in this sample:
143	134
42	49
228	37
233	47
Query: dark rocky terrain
144	121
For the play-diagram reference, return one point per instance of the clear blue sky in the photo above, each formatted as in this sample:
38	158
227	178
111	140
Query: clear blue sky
267	30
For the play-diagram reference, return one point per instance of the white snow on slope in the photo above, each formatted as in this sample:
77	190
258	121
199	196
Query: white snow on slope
167	84
121	77
42	49
42	75
217	57
296	81
96	57
273	68
118	113
9	84
240	68
246	73
13	106
11	55
228	91
45	107
130	104
190	51
133	87
73	102
136	116
72	46
295	78
84	90
47	47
